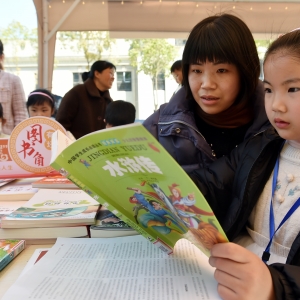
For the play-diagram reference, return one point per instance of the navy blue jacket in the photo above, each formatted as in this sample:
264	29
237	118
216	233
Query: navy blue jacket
232	186
174	126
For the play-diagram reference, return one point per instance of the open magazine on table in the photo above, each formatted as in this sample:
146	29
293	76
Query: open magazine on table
132	175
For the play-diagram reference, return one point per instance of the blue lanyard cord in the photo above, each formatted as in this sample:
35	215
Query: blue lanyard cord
266	254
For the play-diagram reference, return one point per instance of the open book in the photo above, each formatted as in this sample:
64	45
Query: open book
132	175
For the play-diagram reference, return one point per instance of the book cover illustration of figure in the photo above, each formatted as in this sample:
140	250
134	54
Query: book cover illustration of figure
136	179
106	219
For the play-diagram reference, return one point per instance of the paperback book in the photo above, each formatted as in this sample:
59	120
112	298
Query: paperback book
109	225
54	182
18	190
9	249
133	176
53	208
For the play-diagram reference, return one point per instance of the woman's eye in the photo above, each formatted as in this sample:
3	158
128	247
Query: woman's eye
222	70
196	71
293	90
267	90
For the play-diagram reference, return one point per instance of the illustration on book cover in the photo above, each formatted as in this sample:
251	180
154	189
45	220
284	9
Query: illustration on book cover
134	177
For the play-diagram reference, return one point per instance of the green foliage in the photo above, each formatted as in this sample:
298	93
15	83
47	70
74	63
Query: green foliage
18	35
152	56
90	43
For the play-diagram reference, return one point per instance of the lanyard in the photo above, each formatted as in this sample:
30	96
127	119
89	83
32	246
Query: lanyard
266	254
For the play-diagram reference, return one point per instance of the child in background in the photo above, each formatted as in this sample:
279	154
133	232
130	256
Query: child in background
40	103
255	192
2	122
118	113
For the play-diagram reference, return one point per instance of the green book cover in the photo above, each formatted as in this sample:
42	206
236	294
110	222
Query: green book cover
132	175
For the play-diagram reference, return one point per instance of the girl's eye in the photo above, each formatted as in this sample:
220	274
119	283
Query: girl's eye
293	90
267	90
222	70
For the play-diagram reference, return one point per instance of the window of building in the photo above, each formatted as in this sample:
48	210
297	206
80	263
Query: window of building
161	81
76	78
124	81
180	42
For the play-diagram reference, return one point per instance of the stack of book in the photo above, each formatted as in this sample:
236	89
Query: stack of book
48	214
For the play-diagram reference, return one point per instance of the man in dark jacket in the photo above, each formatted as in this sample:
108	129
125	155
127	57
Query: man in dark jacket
233	185
82	109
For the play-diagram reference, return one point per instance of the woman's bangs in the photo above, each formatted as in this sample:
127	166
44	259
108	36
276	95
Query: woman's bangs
208	47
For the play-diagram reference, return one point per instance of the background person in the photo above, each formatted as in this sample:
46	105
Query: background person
118	113
253	190
176	71
221	102
82	109
12	97
40	102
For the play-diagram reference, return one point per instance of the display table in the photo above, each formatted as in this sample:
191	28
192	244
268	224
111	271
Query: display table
12	271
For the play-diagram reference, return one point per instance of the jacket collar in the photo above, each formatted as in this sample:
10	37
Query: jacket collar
180	108
93	91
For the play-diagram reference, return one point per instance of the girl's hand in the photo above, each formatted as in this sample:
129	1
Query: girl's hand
240	273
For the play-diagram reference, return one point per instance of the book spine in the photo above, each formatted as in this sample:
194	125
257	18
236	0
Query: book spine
10	256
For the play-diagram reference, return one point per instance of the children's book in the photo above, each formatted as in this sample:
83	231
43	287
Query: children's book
9	249
54	182
54	208
18	190
133	176
109	225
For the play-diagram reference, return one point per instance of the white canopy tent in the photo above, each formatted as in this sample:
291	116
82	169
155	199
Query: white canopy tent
159	18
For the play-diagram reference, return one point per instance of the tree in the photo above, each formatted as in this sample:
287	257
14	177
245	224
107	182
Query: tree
18	35
152	56
90	43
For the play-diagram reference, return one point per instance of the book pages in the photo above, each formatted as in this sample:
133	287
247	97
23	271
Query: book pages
93	268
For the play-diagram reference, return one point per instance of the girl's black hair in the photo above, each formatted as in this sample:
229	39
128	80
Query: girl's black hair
100	65
287	44
38	99
223	38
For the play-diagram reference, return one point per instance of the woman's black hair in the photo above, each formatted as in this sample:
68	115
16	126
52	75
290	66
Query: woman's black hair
223	38
36	97
288	45
100	65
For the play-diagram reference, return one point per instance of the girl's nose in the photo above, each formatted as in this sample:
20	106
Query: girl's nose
278	104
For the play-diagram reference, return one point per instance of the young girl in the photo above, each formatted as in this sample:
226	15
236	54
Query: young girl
221	102
40	103
255	192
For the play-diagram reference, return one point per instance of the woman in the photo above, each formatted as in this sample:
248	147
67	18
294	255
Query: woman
82	109
12	97
221	102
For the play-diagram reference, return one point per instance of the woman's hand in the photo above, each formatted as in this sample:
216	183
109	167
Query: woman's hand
240	273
